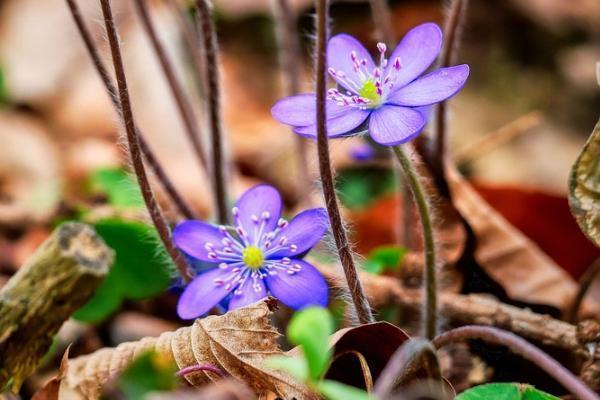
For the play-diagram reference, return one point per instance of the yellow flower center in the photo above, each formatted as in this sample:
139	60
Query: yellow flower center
253	257
369	91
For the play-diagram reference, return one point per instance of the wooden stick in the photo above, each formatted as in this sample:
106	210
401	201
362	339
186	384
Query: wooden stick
58	279
469	309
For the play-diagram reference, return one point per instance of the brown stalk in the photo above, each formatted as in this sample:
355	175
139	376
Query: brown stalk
209	38
584	284
151	159
291	63
359	300
524	348
134	146
183	104
452	30
404	364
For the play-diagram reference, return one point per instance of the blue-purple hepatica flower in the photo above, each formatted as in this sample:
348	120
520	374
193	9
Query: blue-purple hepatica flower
388	97
261	253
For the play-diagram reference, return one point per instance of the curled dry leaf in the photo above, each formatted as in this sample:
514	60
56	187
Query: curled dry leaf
584	187
51	389
237	343
508	256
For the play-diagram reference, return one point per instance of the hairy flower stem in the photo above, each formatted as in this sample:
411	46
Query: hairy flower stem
430	306
407	361
519	346
359	299
291	62
92	49
209	37
134	146
183	104
201	368
452	30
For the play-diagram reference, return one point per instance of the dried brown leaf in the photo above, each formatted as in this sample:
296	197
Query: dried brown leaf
52	387
584	187
237	343
507	255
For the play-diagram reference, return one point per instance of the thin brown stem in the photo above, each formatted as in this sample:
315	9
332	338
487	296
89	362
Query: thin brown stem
92	49
452	30
382	19
191	41
209	37
413	181
181	100
361	303
584	284
201	368
524	348
413	356
291	63
134	146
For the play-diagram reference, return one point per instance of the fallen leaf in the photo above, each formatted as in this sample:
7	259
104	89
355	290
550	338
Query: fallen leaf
51	389
375	342
237	343
508	256
584	187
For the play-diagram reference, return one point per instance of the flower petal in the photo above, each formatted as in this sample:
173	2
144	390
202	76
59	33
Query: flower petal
202	294
392	125
337	126
304	288
304	231
339	50
301	110
416	51
432	88
248	294
191	236
253	204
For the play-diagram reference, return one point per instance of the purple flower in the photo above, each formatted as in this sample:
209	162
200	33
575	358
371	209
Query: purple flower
386	98
261	253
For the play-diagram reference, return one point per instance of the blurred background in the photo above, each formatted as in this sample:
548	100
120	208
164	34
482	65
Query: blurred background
515	130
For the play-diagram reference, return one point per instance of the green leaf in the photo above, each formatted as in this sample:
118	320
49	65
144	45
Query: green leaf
584	188
360	186
141	268
384	258
505	391
333	390
295	366
150	372
120	188
310	329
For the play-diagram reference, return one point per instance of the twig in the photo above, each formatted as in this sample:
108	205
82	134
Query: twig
134	148
151	159
183	104
469	309
58	279
452	31
358	297
404	364
522	347
209	37
584	284
430	306
291	62
503	135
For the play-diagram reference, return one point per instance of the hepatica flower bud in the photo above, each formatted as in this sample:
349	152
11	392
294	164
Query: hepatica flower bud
389	98
260	254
